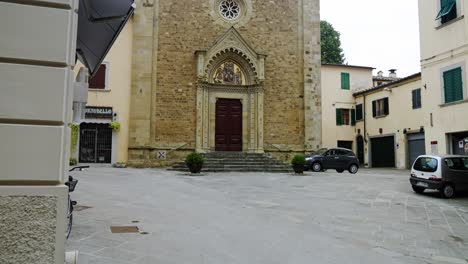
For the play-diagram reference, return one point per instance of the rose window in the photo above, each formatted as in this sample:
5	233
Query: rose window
229	9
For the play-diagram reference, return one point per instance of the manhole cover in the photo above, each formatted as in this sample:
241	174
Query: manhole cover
124	229
81	207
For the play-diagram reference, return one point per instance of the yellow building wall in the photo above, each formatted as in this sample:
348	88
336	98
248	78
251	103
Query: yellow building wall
333	97
442	48
401	116
117	96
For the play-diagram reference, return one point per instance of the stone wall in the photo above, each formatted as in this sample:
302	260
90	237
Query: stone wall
164	95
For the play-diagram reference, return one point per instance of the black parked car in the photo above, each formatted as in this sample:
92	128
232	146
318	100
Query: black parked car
339	159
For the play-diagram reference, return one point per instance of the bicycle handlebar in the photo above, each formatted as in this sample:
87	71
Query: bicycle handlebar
79	167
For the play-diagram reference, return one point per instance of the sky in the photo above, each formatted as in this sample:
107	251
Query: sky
383	34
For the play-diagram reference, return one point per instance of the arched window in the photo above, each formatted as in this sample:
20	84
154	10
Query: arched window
229	72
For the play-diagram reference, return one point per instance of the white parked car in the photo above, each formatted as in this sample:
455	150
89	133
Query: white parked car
448	174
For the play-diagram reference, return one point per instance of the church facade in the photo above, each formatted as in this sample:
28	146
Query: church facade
224	75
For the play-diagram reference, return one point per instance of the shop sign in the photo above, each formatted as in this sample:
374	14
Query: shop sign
98	112
434	147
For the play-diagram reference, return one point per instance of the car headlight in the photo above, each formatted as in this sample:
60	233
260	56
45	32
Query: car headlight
309	158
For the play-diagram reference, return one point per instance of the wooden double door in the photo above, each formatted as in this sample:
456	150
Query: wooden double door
228	135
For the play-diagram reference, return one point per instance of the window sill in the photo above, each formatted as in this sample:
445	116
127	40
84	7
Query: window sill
454	103
380	116
450	22
99	90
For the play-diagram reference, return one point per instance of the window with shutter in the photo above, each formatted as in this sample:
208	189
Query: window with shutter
359	112
448	11
345	83
339	117
453	85
416	95
380	107
353	117
99	79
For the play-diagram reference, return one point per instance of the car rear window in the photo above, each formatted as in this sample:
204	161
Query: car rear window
426	164
457	163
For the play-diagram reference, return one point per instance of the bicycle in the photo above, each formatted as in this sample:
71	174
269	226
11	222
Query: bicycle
71	187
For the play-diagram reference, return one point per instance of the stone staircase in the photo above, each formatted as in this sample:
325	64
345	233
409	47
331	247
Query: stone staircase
238	162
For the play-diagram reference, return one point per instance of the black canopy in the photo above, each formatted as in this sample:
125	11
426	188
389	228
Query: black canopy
99	24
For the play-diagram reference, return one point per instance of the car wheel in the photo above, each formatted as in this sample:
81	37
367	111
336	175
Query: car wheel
417	189
339	170
317	167
448	191
353	169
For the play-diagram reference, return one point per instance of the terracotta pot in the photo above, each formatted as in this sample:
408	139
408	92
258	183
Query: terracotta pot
298	169
195	168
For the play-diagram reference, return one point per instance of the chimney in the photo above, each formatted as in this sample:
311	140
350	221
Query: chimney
380	74
392	73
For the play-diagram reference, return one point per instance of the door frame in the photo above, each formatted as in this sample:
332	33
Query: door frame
241	123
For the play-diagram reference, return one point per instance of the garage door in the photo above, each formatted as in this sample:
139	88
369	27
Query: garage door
416	147
383	152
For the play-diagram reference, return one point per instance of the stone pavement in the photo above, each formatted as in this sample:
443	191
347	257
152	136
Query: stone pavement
259	218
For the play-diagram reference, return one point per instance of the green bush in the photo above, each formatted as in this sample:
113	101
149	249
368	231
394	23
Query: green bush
194	159
115	125
73	162
298	160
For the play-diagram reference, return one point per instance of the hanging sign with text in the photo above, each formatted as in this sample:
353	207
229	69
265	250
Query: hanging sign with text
98	112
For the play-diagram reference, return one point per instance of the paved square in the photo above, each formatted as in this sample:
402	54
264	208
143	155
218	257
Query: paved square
258	218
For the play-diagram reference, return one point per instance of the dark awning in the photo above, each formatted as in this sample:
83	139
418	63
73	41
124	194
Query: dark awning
99	24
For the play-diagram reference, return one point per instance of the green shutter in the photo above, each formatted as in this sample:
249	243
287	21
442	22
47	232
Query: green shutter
446	6
339	117
453	85
353	117
345	84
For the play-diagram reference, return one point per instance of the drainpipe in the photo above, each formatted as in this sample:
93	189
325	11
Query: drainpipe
364	115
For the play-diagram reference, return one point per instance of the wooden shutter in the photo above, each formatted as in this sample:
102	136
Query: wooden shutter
359	112
413	96
99	79
339	117
374	108
453	85
353	117
458	84
345	84
386	106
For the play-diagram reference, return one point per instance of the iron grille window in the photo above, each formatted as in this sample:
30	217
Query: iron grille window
417	99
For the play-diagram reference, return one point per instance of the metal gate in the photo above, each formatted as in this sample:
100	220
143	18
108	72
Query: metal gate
95	143
383	152
416	147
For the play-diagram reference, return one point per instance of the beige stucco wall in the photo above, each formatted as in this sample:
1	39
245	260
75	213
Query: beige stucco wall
334	97
443	48
401	116
117	96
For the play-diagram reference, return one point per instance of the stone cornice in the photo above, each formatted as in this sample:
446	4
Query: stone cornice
249	89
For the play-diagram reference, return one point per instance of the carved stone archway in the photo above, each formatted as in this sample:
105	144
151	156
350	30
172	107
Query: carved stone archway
230	47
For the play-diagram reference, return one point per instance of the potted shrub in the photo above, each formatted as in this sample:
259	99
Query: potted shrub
298	163
194	162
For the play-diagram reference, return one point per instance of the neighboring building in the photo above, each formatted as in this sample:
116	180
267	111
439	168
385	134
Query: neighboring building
390	123
380	79
338	103
108	102
444	56
224	75
383	125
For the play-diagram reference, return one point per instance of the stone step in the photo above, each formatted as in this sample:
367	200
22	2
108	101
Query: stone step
238	162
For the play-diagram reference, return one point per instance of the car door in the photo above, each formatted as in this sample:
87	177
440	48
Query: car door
329	159
457	172
341	159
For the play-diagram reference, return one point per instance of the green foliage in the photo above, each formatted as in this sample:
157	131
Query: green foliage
73	162
331	44
75	131
298	160
194	159
115	125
